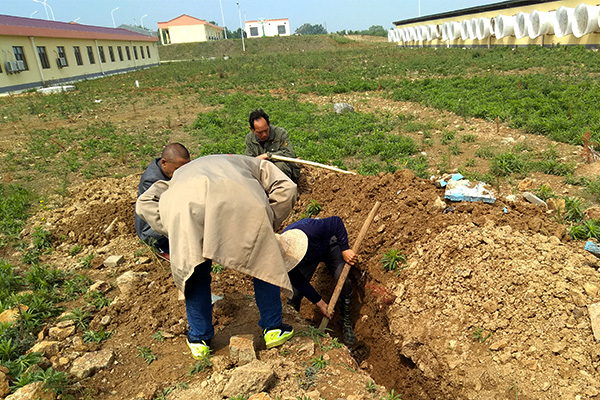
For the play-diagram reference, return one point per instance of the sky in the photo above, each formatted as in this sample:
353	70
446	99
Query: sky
334	15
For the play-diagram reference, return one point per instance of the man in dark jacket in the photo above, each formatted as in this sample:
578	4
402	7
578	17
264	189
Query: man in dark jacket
327	243
174	155
265	140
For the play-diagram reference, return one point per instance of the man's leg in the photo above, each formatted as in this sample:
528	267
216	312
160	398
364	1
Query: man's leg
268	300
307	270
198	308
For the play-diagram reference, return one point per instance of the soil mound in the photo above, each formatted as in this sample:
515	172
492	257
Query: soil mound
490	303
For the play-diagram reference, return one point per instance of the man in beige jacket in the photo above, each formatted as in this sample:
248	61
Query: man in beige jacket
225	208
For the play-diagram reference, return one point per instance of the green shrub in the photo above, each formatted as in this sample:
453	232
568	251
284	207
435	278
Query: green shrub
392	260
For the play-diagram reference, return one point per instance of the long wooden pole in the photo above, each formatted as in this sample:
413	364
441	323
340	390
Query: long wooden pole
316	164
346	270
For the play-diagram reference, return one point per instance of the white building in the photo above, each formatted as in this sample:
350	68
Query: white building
267	27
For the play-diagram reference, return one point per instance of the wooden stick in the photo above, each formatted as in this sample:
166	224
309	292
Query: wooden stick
346	270
316	164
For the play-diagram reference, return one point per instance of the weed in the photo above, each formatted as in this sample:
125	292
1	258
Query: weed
455	149
471	162
73	251
313	208
217	268
8	350
158	336
371	387
544	192
80	317
447	137
508	163
573	209
333	344
468	138
577	232
593	188
97	299
96	336
392	259
285	352
592	228
86	262
41	239
391	395
485	153
239	397
478	335
146	354
56	381
200	366
315	334
318	362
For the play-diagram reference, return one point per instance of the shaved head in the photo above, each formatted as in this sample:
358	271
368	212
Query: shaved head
174	155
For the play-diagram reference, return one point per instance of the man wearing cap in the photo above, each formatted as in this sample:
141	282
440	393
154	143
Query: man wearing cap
327	243
264	141
173	156
225	208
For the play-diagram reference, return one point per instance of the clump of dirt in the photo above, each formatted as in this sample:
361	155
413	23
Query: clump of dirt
491	301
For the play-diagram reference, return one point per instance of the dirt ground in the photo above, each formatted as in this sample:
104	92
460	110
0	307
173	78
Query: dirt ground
490	304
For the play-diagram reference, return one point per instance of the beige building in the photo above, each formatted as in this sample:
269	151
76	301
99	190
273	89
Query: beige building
507	23
186	29
35	52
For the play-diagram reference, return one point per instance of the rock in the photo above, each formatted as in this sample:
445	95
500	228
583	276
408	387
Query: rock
556	204
65	324
255	377
507	140
221	363
58	333
592	213
105	320
260	396
306	348
130	280
499	345
11	315
313	395
79	344
438	204
47	348
89	363
594	311
591	289
100	286
143	260
533	199
342	108
4	388
33	391
526	183
241	349
558	347
104	250
114	261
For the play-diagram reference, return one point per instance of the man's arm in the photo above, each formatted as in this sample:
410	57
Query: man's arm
280	190
251	149
147	206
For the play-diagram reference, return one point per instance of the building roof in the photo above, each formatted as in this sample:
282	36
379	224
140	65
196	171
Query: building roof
184	20
475	10
138	29
268	20
19	26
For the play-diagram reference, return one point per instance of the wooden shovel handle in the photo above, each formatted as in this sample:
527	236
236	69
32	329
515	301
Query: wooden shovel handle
340	283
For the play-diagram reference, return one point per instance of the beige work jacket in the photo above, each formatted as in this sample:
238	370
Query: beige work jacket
223	208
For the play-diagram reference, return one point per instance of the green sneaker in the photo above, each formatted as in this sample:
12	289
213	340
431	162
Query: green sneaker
277	336
200	350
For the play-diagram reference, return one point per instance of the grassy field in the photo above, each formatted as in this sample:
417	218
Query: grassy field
50	141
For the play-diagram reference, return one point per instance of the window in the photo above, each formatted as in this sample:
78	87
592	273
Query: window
111	53
90	51
62	57
20	56
142	52
43	57
128	53
281	29
77	53
135	52
120	51
148	51
101	51
254	31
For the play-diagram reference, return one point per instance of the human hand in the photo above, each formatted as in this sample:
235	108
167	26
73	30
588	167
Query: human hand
262	156
322	306
350	256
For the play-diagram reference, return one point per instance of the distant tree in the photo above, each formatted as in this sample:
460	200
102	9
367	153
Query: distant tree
376	30
309	29
342	32
213	22
237	34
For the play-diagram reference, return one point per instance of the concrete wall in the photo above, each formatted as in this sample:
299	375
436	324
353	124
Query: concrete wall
589	40
36	75
193	33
